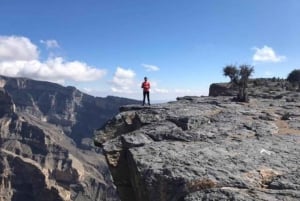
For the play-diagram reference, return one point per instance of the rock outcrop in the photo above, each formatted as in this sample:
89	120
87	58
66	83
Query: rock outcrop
46	148
206	148
260	87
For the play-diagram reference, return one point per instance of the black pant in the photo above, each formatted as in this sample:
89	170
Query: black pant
146	93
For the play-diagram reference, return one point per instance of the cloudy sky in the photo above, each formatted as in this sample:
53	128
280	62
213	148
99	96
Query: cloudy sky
107	47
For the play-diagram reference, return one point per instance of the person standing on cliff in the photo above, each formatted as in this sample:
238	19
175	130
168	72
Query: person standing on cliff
146	90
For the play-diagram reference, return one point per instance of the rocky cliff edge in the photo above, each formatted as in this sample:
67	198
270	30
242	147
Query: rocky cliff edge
46	150
206	148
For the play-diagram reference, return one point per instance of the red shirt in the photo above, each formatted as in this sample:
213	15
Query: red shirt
146	86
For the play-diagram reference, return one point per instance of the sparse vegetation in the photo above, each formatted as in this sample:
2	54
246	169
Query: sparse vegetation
294	76
294	79
232	72
240	78
286	116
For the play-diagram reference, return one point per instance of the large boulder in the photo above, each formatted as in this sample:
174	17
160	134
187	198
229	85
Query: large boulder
260	87
222	89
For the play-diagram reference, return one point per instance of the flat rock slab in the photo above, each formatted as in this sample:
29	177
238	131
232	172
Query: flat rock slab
260	165
206	148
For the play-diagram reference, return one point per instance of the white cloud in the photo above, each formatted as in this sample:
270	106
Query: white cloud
55	70
153	83
266	54
50	43
123	80
88	90
190	92
14	48
160	90
150	67
172	94
156	89
183	91
268	74
19	57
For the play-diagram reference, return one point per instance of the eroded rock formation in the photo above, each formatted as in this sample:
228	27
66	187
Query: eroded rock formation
260	87
46	149
78	114
206	148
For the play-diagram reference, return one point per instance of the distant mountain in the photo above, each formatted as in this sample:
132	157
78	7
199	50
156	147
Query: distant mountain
46	148
77	113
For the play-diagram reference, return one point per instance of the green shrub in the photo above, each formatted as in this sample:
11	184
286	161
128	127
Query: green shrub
294	76
240	78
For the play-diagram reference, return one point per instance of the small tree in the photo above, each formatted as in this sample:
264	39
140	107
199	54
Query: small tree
240	78
232	72
294	76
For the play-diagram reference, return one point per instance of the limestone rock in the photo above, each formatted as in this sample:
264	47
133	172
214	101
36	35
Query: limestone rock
206	148
77	113
271	88
46	150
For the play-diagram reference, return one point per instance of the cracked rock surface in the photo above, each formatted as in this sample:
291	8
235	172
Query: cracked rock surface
206	148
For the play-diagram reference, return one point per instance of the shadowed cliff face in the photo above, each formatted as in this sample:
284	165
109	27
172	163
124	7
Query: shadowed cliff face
23	181
206	148
6	105
77	113
46	148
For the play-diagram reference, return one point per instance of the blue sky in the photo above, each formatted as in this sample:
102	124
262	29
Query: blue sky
107	47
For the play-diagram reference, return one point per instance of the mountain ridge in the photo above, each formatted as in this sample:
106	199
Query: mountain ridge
62	105
46	145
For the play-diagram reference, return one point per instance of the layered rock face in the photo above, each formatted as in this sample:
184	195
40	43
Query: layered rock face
77	113
46	150
206	148
260	87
